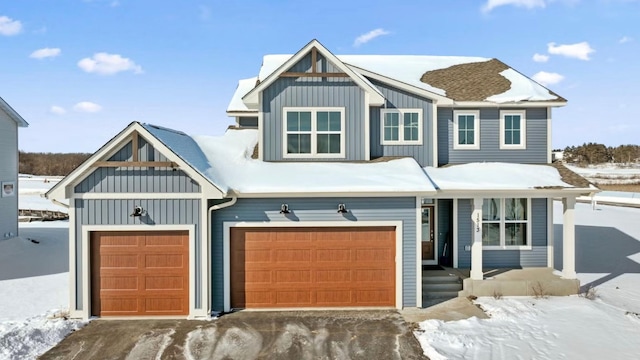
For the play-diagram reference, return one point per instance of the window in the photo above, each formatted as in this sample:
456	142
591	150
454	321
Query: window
401	126
513	127
505	223
466	130
313	132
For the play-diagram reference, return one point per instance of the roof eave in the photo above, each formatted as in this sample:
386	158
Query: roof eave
13	114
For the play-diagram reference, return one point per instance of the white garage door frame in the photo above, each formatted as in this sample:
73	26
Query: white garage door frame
86	265
226	246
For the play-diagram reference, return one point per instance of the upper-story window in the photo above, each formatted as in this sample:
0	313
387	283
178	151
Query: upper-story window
313	132
401	126
466	130
506	223
513	129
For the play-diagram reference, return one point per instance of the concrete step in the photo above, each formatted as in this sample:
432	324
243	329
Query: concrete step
439	279
439	294
428	288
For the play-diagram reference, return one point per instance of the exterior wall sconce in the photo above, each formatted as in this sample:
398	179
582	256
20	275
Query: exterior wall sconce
138	211
284	209
342	209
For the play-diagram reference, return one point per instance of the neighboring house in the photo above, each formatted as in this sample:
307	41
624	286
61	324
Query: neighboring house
10	121
343	177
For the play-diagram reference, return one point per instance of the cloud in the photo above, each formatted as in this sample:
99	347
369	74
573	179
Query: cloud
45	53
365	38
87	107
546	78
529	4
108	64
9	26
58	110
540	57
625	39
578	51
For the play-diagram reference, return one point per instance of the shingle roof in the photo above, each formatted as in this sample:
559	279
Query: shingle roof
571	177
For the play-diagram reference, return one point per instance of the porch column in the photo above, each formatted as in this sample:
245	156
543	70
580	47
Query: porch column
476	240
568	238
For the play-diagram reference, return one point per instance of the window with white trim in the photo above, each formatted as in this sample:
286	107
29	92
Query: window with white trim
466	130
513	129
313	132
401	126
505	223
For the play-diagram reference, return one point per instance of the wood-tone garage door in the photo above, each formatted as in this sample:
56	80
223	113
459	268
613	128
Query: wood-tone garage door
139	273
312	267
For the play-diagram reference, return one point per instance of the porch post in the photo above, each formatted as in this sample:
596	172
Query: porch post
568	238
476	240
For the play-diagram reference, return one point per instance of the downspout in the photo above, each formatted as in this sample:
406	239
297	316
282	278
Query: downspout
213	208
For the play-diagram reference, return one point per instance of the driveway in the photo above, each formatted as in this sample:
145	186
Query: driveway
248	335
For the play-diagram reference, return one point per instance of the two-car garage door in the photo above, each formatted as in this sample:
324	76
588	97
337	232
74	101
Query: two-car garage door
313	267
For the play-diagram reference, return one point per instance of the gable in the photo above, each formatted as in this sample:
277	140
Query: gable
11	114
318	65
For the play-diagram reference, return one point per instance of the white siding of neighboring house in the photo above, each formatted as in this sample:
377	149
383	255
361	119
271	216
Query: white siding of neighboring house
8	172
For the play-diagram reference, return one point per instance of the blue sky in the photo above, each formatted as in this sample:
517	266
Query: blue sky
81	70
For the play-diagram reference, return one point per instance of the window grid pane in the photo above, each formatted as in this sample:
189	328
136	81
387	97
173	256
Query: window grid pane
512	130
391	126
411	126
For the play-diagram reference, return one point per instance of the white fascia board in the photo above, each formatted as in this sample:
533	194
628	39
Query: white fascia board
532	193
522	104
337	194
243	113
436	98
251	98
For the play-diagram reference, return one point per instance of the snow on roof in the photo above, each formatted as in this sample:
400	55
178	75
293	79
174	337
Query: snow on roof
244	86
522	88
231	166
495	176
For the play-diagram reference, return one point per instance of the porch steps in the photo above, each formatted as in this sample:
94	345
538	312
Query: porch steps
440	286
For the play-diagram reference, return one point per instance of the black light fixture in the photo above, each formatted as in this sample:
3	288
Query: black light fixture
137	211
342	209
284	209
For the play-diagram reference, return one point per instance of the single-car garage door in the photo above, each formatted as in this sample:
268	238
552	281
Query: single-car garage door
139	273
313	267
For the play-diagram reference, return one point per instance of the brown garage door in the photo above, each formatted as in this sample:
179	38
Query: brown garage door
312	267
139	273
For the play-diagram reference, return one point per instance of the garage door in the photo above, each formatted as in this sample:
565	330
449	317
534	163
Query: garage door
312	267
139	273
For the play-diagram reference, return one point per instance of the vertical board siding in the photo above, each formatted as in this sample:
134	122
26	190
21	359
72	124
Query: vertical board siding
137	179
313	92
266	210
536	257
396	98
116	212
322	65
8	172
536	139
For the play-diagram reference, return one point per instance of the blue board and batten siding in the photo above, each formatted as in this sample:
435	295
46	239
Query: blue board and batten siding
536	133
536	257
398	99
319	209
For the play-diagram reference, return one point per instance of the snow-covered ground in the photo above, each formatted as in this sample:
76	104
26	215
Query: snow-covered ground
609	174
31	190
607	259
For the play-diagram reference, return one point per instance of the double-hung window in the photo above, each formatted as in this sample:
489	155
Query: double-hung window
401	126
506	223
313	132
466	130
513	129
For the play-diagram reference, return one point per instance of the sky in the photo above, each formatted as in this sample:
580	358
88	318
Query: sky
79	71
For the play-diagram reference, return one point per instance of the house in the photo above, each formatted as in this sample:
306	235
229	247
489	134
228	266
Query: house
343	176
10	121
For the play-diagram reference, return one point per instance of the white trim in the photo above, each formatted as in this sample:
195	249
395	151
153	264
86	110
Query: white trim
205	269
314	132
251	98
401	112
380	193
86	256
503	222
226	246
476	130
74	312
418	252
455	233
549	146
523	130
470	193
550	233
434	133
476	240
238	114
367	128
519	104
136	195
260	130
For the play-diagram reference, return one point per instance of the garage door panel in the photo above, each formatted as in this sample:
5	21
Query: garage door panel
119	283
164	305
119	261
120	305
166	283
331	269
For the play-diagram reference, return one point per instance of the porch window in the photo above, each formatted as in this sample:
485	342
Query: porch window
401	126
505	223
315	132
513	127
466	130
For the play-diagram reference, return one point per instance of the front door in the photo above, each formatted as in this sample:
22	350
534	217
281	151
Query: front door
429	249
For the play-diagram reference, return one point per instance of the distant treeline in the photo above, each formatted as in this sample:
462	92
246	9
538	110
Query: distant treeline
593	153
50	164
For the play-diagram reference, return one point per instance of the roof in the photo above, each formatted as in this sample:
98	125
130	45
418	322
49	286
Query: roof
13	114
244	86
